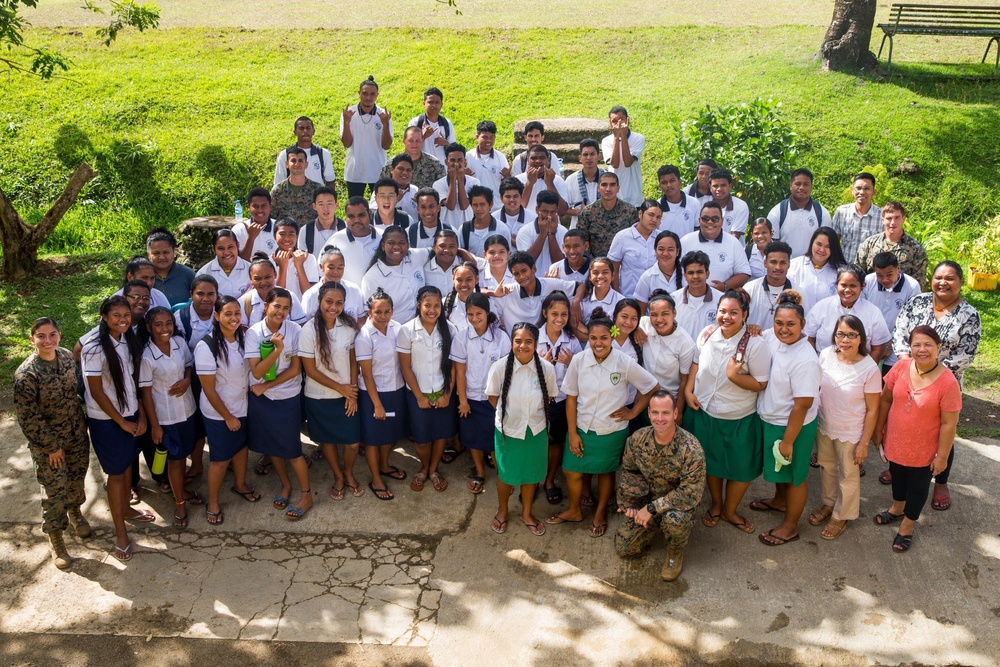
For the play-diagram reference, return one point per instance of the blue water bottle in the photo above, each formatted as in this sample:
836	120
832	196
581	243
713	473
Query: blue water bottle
238	211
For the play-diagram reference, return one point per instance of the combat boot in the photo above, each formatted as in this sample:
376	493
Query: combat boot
79	523
59	555
673	565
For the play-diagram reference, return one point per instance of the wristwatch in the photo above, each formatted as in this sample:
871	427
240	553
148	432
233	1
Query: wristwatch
651	508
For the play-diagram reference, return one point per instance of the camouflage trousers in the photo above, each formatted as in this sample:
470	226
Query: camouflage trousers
631	539
62	488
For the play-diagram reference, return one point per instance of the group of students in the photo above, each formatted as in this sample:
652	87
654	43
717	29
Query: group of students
510	336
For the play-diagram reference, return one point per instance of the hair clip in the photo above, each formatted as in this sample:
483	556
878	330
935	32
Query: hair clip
615	331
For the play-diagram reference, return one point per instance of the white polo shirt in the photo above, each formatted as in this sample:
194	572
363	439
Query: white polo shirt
423	237
96	365
680	218
520	163
602	388
486	169
576	199
635	253
691	190
160	372
486	279
456	216
813	284
400	282
589	302
407	202
516	222
478	354
725	253
821	321
629	178
763	300
653	279
719	397
252	307
340	342
366	156
794	374
354	303
425	350
540	185
890	301
694	313
311	270
735	216
321	237
233	284
358	252
667	357
380	349
230	379
199	327
458	316
799	224
519	306
477	237
528	235
439	131
565	272
440	278
319	165
563	342
255	335
525	409
264	242
757	269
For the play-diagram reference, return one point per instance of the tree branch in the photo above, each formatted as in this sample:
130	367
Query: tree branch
11	224
48	223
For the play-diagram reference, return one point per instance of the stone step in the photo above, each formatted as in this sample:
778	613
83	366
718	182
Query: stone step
564	130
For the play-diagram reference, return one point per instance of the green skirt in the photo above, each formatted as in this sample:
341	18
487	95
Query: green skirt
732	446
521	461
798	470
601	453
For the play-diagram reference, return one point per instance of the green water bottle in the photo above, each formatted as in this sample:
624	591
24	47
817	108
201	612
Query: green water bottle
266	348
159	460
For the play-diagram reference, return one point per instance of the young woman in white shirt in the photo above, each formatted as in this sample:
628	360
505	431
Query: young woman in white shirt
219	362
668	351
297	269
465	282
262	277
667	274
231	271
326	348
814	274
165	388
399	270
331	265
493	269
557	346
520	435
274	404
424	347
476	347
597	293
597	385
849	300
384	420
115	416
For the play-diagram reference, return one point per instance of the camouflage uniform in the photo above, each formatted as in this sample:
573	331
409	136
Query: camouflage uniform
601	225
287	203
672	477
426	171
51	417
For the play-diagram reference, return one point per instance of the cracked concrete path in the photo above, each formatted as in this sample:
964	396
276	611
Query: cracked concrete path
423	580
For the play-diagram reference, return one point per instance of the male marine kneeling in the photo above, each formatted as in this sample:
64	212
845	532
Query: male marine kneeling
660	483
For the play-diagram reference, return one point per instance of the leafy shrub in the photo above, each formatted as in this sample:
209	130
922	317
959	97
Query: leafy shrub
984	251
750	140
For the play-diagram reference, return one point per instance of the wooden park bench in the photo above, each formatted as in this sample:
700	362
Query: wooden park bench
943	20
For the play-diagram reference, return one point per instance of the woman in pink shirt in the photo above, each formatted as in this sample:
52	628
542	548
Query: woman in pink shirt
915	431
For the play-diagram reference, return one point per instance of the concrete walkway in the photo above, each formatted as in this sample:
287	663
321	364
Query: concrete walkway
423	580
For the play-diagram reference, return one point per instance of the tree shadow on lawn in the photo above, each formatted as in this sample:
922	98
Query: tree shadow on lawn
226	178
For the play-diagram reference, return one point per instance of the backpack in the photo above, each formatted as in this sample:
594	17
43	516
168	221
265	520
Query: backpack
442	123
783	213
741	346
467	231
310	230
184	311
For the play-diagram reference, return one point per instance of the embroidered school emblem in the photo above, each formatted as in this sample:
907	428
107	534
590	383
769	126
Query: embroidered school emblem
616	378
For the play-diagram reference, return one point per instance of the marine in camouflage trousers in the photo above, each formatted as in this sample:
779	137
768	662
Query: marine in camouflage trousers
62	488
631	539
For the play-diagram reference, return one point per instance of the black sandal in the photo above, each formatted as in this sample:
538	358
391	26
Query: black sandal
393	472
450	454
553	494
887	517
902	543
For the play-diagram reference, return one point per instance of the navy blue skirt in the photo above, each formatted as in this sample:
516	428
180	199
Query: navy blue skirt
116	450
274	426
179	438
476	430
430	424
328	423
224	444
390	430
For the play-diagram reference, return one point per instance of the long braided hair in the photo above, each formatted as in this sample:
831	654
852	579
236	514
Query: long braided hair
115	367
344	318
509	372
678	269
449	302
629	302
442	327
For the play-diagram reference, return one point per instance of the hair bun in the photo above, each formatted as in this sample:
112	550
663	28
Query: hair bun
371	77
658	292
598	313
259	255
790	296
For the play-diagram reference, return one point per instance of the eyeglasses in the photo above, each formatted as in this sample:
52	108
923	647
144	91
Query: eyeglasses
847	335
711	218
137	299
909	401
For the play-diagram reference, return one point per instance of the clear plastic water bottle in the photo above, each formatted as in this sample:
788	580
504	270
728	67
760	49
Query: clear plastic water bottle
238	211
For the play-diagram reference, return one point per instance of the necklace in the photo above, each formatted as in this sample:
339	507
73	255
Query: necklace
772	298
930	370
362	113
942	309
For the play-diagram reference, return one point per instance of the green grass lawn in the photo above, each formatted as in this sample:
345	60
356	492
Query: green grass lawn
181	122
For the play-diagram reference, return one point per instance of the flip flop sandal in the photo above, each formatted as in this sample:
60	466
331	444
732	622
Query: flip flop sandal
556	519
711	520
438	482
744	526
553	494
381	494
134	498
164	487
123	554
886	517
902	543
941	503
597	529
394	473
356	491
280	502
250	496
142	517
885	477
338	494
450	454
587	501
537	529
418	481
476	485
772	540
180	522
761	505
194	499
219	517
499	527
263	467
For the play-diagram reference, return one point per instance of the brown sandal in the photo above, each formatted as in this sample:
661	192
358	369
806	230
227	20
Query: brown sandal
819	516
834	532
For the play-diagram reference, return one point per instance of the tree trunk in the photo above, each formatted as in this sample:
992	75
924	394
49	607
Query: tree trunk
20	241
845	46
